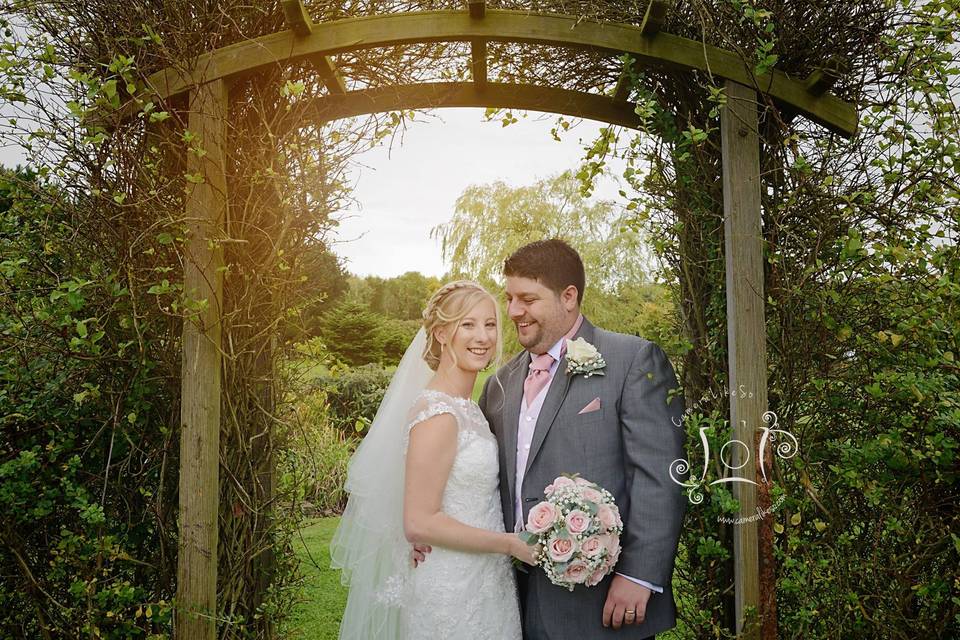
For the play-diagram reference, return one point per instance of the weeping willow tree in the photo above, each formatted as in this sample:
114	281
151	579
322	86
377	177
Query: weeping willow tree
491	221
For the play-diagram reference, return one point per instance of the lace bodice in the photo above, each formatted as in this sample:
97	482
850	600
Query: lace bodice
456	594
474	478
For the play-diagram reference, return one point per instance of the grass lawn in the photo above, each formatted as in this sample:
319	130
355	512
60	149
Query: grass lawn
318	617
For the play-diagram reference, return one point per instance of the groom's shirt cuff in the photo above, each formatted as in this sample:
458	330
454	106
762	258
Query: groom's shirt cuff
642	583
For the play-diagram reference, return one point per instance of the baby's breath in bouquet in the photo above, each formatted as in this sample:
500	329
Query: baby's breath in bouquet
577	532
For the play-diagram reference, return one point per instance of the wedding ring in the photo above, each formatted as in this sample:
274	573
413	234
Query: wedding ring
631	612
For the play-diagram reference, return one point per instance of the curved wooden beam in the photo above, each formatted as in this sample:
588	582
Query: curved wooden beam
505	26
467	94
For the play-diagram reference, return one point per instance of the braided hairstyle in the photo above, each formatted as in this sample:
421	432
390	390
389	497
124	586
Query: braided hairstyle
449	305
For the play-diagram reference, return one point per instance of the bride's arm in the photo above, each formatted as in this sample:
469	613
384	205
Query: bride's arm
430	456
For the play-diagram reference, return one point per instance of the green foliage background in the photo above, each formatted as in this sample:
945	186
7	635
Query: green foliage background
83	402
861	279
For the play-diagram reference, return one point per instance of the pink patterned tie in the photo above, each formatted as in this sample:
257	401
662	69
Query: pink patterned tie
538	377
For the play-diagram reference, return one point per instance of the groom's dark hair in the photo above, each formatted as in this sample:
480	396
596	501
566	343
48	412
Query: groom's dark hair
553	263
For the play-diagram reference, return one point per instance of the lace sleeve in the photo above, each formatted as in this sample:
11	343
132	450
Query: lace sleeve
435	408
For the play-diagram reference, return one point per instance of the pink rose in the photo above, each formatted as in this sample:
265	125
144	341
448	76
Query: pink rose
592	495
541	517
597	576
561	482
614	557
577	521
611	543
606	516
583	482
549	490
560	549
592	546
577	572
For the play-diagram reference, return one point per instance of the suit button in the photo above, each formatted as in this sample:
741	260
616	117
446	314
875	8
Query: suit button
529	499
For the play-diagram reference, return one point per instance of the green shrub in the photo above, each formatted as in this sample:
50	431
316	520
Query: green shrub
87	456
318	458
353	396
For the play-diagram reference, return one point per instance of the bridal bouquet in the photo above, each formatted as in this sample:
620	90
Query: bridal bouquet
577	530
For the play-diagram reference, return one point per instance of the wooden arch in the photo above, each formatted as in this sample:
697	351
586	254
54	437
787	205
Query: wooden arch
646	43
207	85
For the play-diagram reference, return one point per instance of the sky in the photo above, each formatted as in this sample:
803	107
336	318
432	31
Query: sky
404	190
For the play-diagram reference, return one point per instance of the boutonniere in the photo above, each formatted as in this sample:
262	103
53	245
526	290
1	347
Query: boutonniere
583	357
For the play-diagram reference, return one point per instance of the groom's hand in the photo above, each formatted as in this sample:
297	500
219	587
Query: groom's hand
626	603
419	554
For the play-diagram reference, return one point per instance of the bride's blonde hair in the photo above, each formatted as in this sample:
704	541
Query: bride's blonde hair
448	306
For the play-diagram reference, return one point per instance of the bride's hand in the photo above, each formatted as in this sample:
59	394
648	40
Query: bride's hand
522	551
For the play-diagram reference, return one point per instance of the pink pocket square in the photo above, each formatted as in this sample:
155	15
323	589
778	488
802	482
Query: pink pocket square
594	405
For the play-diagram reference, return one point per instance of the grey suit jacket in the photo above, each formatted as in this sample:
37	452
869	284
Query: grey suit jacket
626	447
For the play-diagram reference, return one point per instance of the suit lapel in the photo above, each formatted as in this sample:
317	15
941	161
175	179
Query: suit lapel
510	418
554	400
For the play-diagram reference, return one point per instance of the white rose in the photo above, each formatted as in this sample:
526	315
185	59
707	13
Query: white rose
580	350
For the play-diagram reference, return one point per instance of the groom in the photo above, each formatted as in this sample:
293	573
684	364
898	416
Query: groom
615	429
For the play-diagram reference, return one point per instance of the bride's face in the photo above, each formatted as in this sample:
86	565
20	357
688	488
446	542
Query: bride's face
474	341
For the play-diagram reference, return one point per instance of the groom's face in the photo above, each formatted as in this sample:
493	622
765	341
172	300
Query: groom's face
540	315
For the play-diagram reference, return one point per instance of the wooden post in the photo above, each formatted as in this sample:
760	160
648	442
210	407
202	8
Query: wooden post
206	206
746	334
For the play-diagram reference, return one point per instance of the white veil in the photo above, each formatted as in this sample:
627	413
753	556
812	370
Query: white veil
369	546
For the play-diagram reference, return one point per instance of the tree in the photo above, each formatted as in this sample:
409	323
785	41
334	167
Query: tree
491	221
325	283
353	333
403	297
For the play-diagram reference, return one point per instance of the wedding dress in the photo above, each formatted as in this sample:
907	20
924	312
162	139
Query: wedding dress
454	595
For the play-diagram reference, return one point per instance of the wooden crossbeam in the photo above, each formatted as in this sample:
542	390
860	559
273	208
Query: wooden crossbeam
466	94
297	17
354	34
654	17
328	74
823	79
300	23
478	8
478	61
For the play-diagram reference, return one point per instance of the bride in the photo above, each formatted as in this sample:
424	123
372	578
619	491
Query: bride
427	472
